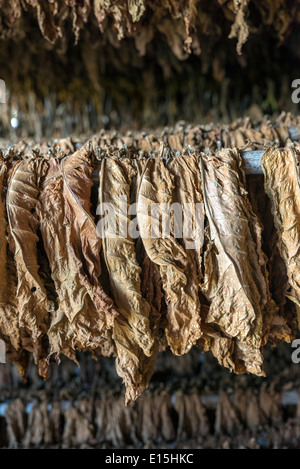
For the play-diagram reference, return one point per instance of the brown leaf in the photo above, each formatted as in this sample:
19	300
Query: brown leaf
183	329
236	280
281	171
32	303
131	333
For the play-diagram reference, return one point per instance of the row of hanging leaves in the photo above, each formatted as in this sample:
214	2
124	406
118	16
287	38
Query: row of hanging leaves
183	25
64	289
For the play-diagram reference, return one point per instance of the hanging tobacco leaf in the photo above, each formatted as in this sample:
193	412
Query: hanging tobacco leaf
32	304
281	172
9	326
53	230
235	280
85	313
131	332
84	242
282	325
151	281
183	314
151	288
9	323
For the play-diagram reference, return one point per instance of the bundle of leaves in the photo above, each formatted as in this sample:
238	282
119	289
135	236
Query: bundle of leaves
66	288
73	65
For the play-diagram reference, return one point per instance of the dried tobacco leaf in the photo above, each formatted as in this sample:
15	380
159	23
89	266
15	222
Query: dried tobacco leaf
192	417
85	313
78	426
157	187
84	240
132	364
15	416
53	230
124	271
32	303
188	193
240	28
9	326
236	278
151	281
281	171
9	323
151	289
227	419
283	324
131	332
45	14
